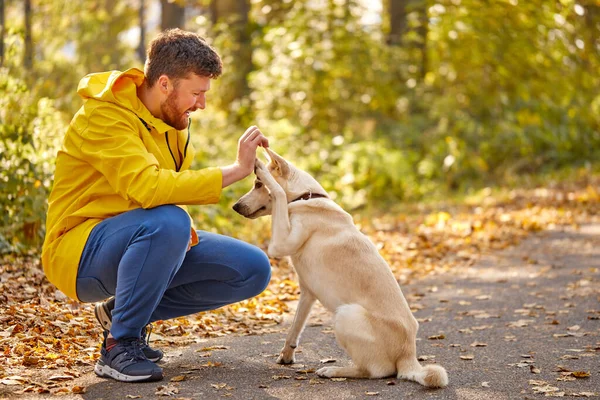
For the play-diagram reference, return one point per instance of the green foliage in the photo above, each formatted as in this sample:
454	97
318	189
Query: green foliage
484	93
30	130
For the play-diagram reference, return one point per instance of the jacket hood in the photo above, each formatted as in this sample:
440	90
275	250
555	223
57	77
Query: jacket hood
119	88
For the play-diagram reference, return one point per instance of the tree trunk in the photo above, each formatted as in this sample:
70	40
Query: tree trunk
141	50
235	14
422	31
28	56
398	21
398	12
1	33
592	19
278	10
173	15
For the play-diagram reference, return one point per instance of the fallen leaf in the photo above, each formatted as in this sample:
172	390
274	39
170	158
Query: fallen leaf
166	390
8	381
485	384
327	360
218	386
478	344
522	364
481	327
574	328
536	382
467	357
178	378
372	393
212	364
210	348
545	389
78	389
520	323
132	396
306	371
60	378
566	377
534	370
29	361
437	337
278	377
338	379
581	374
569	357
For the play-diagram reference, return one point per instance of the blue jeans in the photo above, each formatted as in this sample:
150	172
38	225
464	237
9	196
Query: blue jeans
141	258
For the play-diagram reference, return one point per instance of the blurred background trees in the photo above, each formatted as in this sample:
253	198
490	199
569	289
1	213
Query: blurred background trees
383	102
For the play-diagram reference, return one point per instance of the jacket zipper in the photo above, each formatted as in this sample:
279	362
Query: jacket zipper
187	142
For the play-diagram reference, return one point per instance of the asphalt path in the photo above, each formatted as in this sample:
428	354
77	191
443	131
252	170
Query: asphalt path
523	323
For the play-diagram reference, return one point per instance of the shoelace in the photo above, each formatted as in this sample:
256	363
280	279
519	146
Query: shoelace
146	340
133	347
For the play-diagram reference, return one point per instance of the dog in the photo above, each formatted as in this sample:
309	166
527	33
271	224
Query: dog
339	266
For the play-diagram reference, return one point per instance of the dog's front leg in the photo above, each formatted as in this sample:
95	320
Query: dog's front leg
307	299
285	238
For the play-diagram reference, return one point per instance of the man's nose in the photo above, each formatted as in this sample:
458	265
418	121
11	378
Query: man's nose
201	102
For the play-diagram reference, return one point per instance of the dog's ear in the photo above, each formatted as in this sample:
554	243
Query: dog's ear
277	166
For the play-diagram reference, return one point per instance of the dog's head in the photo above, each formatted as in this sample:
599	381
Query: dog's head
295	183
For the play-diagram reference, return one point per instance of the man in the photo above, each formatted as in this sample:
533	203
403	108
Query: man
117	224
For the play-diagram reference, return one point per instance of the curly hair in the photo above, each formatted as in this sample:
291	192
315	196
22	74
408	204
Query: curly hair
177	53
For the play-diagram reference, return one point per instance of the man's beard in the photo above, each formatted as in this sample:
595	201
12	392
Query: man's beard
172	116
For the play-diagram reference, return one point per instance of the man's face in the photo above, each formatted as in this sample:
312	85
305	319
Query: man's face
185	96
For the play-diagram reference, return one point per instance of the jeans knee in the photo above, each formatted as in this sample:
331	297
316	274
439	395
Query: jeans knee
259	272
169	222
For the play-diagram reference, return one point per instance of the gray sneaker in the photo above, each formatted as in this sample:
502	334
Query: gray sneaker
124	361
103	312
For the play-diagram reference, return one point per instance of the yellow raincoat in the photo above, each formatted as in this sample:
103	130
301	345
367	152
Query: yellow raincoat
116	157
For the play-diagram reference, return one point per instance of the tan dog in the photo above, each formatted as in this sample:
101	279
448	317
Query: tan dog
339	266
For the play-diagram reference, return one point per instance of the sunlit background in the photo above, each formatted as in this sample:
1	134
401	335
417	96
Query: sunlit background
390	102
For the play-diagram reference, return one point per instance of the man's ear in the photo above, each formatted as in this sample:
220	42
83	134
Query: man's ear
164	84
277	166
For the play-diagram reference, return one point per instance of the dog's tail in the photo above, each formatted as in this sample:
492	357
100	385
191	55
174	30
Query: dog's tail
432	376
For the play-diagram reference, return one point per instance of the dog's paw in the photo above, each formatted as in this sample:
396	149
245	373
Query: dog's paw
259	165
286	359
263	174
326	372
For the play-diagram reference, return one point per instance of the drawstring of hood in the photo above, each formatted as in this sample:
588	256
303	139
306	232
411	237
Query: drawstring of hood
187	142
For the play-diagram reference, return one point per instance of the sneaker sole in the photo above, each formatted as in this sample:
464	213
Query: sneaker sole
154	359
103	316
105	371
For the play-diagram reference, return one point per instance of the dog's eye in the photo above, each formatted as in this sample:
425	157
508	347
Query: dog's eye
258	185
